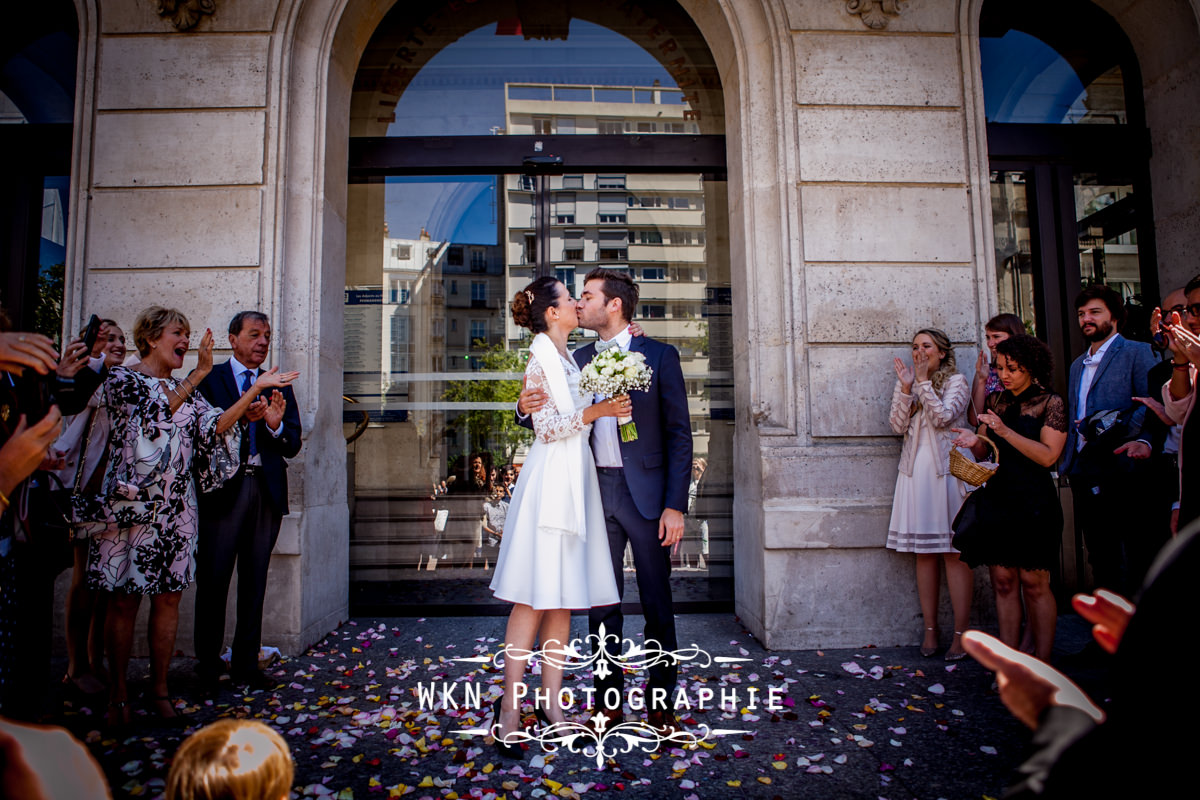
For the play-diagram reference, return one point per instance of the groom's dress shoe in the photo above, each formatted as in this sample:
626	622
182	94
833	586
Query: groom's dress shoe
666	724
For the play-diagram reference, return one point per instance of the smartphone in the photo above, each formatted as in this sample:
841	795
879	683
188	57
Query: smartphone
90	334
35	395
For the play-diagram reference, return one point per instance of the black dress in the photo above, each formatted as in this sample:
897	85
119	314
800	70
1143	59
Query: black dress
1017	513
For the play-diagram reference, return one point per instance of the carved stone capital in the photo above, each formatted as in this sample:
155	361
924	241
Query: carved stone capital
875	13
184	14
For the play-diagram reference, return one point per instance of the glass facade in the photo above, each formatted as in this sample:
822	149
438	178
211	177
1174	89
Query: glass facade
433	361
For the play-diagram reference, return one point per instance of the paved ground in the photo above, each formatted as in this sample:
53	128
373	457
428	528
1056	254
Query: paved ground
865	723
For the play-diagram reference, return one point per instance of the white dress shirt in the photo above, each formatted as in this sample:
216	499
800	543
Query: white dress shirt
240	369
1091	363
606	441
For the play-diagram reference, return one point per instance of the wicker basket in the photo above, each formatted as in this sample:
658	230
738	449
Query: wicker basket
970	472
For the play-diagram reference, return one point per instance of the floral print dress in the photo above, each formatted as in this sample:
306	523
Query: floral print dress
143	522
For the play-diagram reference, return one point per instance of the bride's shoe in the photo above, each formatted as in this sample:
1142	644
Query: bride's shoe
506	750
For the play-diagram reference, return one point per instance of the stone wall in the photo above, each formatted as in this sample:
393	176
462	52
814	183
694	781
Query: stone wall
211	175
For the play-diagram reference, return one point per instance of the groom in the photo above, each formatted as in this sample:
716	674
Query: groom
643	486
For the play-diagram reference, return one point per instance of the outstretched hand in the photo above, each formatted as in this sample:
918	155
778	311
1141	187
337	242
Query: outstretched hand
993	423
204	355
966	439
27	447
1027	686
1157	407
1109	614
274	379
75	355
982	367
904	374
19	350
273	415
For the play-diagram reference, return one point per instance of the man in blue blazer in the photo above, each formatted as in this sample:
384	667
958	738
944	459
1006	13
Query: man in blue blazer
643	486
240	521
1107	377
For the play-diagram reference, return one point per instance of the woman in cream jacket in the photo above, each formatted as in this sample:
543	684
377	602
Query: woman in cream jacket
930	398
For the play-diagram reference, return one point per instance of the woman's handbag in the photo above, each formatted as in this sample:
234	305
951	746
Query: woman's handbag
972	472
970	535
44	510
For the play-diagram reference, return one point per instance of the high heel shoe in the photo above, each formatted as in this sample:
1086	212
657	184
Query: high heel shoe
506	750
961	654
541	716
927	652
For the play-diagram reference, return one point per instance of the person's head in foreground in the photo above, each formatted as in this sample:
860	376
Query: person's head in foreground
231	759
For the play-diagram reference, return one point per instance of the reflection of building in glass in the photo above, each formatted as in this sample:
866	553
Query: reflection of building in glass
654	227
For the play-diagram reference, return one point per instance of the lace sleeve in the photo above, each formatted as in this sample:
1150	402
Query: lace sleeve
549	424
1056	414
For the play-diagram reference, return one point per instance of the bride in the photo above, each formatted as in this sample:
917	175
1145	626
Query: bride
554	554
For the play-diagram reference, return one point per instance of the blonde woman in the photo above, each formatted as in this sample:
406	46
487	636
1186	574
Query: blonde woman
929	400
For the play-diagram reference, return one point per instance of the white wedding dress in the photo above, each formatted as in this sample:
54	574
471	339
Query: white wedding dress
541	568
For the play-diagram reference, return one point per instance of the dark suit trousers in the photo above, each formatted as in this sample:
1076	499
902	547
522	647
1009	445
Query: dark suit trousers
653	564
1112	512
242	530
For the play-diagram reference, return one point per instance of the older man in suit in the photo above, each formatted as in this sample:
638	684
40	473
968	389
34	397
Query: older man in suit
1107	377
643	486
239	523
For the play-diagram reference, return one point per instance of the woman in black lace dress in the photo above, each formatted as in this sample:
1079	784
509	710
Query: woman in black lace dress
1018	516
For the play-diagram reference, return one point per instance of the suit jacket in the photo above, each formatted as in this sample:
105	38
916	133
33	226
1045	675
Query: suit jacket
658	464
221	389
1120	376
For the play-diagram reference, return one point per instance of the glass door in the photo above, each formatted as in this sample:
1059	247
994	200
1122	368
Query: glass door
481	156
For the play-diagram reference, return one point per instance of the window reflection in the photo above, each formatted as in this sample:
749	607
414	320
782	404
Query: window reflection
1027	81
430	350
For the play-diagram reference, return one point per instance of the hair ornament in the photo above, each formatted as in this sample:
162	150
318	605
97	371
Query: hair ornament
529	296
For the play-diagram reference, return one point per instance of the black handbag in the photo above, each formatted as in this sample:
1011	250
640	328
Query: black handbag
970	534
44	511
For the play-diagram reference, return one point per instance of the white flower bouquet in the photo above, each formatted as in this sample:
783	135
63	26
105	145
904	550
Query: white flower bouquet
615	372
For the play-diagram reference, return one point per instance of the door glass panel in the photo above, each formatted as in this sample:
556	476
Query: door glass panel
1015	281
433	365
433	361
1106	216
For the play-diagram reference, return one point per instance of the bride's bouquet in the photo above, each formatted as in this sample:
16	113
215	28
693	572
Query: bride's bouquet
615	372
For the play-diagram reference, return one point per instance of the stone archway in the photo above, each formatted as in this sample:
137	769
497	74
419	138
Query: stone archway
319	55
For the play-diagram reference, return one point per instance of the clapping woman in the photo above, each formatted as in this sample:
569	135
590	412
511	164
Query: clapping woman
1017	512
164	438
987	380
930	398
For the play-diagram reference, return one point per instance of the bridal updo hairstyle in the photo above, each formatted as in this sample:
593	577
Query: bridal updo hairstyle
529	305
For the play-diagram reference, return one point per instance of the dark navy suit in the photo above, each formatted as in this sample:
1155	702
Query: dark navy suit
240	523
1105	488
656	469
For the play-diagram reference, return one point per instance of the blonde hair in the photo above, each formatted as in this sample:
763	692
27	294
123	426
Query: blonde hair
946	368
231	759
151	323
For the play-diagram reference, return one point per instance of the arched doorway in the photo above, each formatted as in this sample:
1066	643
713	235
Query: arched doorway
37	105
490	144
1068	151
1069	156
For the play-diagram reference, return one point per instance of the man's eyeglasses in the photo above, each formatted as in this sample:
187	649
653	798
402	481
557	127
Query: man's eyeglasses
1183	311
